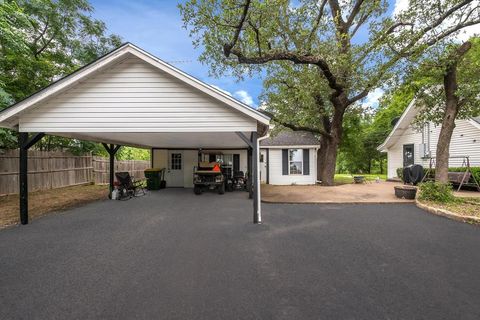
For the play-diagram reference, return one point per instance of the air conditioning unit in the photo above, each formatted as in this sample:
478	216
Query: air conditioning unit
424	151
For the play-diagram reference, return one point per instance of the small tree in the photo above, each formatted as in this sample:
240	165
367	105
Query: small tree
452	92
247	35
41	41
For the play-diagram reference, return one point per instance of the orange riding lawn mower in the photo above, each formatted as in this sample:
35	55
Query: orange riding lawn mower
214	176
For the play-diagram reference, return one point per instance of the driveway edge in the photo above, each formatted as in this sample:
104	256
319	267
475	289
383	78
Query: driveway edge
447	214
337	202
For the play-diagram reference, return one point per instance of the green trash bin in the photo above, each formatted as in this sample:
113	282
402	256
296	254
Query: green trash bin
155	178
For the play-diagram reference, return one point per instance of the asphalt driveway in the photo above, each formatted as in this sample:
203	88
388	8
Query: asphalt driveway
173	255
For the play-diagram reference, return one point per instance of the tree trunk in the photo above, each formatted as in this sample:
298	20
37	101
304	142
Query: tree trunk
330	157
452	107
321	157
448	124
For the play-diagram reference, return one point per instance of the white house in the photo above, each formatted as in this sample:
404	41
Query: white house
289	157
406	145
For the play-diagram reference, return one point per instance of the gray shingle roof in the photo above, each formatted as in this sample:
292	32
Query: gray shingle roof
291	138
477	119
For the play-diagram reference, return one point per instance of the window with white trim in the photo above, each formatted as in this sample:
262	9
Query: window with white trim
295	161
176	161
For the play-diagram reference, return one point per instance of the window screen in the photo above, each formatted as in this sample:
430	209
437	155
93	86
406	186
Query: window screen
295	158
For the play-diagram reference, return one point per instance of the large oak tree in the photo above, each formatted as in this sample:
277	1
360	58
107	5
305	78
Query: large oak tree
353	46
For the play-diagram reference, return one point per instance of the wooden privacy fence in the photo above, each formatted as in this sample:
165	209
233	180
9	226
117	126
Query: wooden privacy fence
101	168
49	170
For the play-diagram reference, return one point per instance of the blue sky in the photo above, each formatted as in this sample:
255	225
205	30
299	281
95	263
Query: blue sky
156	26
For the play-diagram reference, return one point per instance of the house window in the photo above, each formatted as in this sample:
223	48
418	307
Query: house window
295	161
176	161
408	155
261	157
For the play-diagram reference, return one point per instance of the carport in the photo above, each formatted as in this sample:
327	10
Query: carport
129	97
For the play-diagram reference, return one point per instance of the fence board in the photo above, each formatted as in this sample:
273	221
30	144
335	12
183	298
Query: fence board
50	170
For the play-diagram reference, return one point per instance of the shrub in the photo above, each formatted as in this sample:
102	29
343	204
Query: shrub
437	192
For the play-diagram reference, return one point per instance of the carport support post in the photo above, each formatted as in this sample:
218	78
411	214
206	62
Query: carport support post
112	150
249	171
255	185
24	143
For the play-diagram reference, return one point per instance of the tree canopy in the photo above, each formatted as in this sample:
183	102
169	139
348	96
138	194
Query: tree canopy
40	42
342	50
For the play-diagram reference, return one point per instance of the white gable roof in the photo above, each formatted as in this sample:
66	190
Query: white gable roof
9	116
404	122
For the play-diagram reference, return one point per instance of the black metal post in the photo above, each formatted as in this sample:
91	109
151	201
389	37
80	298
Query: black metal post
249	169
267	165
23	172
256	214
112	168
24	143
112	150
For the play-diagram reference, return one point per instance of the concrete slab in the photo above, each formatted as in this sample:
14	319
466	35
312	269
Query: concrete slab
371	192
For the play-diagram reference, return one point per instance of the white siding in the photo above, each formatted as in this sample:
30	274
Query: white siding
275	170
133	96
465	142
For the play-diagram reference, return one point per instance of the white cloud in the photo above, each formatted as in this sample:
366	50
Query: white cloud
241	95
400	5
244	96
373	98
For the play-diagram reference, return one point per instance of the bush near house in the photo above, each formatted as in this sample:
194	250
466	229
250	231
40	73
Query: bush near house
475	172
436	192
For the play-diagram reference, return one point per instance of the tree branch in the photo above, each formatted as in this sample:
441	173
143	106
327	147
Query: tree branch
296	127
229	46
353	14
297	58
316	25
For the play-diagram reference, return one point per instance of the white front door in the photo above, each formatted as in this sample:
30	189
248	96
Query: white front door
174	176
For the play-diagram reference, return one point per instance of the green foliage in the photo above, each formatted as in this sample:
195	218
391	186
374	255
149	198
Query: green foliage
436	192
428	81
131	153
40	42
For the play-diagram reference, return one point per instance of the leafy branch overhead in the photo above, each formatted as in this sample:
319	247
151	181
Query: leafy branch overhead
320	33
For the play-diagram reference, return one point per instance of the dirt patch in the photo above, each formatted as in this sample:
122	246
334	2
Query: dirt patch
43	202
370	192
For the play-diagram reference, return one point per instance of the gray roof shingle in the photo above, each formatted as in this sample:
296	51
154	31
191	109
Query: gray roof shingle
291	138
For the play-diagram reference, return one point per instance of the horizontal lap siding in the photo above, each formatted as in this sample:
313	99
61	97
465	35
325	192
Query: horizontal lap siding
462	143
133	96
275	170
465	142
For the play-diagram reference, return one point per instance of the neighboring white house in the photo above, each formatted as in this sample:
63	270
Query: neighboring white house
289	157
407	145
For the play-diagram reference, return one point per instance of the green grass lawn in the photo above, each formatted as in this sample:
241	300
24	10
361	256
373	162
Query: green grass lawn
345	178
